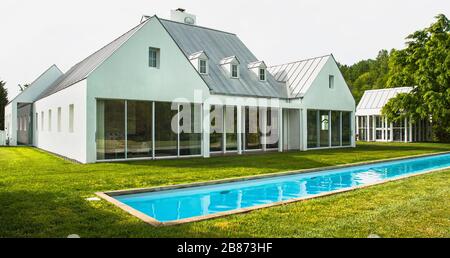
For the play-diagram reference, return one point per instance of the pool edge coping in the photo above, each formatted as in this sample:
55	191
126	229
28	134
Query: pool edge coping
108	195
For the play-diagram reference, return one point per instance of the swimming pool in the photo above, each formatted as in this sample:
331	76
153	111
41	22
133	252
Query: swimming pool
185	204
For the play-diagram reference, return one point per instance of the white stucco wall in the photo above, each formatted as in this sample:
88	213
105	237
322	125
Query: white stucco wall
127	75
320	96
65	143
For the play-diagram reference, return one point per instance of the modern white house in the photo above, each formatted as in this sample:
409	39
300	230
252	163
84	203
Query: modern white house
171	88
373	126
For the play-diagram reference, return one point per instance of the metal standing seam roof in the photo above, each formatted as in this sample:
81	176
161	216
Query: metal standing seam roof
219	45
299	75
373	101
82	69
290	80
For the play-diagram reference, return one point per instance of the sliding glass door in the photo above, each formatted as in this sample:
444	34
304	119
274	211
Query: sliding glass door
325	123
252	129
139	129
166	137
110	135
190	131
231	128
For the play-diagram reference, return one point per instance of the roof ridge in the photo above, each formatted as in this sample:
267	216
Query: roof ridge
36	79
197	26
298	61
393	88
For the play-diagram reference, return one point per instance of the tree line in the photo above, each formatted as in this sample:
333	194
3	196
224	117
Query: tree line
423	64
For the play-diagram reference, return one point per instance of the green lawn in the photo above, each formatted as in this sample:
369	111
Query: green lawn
44	196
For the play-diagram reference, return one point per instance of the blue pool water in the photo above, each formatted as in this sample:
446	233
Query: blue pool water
172	205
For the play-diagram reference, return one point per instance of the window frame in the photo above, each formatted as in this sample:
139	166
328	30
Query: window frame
153	61
331	81
71	118
262	73
200	60
232	71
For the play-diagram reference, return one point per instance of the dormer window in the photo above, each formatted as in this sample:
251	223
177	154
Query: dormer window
262	74
200	61
230	65
234	71
259	69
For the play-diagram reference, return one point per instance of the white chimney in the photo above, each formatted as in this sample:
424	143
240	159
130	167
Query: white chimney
180	15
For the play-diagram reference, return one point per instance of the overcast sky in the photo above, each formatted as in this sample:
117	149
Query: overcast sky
37	34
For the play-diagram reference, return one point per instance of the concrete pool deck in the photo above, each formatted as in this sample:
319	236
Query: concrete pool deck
109	195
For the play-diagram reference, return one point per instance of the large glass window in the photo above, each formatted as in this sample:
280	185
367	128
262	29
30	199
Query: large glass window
165	136
272	123
346	128
139	129
324	128
216	129
335	128
312	128
252	129
190	131
110	129
231	128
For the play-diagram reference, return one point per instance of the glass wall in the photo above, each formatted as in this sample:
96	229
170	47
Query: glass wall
190	134
165	135
216	129
139	129
110	129
324	128
320	121
335	128
252	129
272	122
346	128
231	128
312	128
398	131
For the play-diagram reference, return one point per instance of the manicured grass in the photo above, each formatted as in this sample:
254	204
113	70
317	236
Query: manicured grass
44	196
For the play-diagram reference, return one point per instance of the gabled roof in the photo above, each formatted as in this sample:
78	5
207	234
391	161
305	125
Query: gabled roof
299	75
230	59
219	45
257	64
373	101
82	69
198	55
51	73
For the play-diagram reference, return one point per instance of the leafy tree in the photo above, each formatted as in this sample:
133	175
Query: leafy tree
425	64
3	103
367	74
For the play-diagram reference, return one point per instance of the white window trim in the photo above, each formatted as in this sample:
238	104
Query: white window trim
158	51
206	66
237	71
259	74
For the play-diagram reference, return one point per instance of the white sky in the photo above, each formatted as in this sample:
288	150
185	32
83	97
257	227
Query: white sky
37	34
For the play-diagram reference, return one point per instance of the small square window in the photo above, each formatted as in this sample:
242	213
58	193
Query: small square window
331	81
234	71
202	66
262	74
153	57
